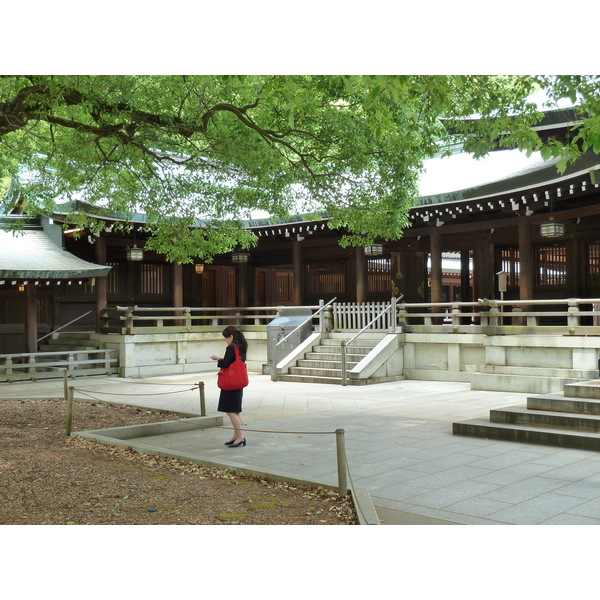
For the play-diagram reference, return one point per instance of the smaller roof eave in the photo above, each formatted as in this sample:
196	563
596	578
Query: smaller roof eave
31	254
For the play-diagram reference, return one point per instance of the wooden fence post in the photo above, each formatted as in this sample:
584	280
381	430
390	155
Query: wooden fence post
70	394
341	461
202	400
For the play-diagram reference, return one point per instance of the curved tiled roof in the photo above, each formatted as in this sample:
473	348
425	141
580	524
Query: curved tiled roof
31	254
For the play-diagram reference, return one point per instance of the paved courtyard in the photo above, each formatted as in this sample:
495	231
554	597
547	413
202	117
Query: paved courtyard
399	446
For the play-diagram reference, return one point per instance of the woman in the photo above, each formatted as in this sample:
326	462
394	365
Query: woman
230	401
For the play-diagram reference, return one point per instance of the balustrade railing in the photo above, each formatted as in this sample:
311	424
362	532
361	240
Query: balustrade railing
569	316
135	319
31	366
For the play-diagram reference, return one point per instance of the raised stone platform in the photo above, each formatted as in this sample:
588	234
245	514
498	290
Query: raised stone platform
570	420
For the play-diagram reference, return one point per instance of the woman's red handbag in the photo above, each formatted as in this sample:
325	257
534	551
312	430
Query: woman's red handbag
235	376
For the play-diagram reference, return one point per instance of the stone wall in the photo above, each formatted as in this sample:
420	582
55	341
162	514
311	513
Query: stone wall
519	363
147	355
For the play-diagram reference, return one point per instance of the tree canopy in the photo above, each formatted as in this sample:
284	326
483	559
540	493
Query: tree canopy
218	149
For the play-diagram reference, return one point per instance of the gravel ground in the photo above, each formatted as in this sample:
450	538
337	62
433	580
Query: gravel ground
47	478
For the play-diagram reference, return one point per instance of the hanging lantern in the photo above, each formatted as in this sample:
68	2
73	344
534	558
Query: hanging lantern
135	253
374	250
199	268
240	257
552	229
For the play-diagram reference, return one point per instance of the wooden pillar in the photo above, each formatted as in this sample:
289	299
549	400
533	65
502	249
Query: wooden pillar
101	282
436	264
484	283
361	274
409	276
31	321
465	279
177	291
525	259
576	281
177	285
297	265
242	273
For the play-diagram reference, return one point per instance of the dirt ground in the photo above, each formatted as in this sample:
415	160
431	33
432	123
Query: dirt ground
47	478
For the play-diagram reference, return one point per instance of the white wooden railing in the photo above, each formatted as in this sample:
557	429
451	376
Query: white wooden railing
356	316
136	319
31	366
569	316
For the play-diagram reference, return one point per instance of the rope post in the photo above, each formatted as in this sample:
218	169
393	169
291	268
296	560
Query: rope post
66	384
202	400
341	461
70	394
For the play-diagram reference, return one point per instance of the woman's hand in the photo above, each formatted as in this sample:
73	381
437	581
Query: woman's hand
214	357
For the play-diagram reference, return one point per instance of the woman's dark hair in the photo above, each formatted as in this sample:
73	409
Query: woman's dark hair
238	337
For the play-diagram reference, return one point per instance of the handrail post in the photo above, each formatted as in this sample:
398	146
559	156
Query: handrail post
394	316
129	320
71	364
341	462
321	316
343	350
275	357
328	319
32	370
573	313
9	370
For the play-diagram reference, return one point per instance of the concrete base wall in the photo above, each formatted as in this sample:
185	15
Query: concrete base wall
517	363
520	363
147	355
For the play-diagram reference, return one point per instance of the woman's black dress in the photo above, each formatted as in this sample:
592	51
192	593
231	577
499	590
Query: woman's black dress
230	401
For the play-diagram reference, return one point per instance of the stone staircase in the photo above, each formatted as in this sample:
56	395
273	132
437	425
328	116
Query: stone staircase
322	363
65	341
569	420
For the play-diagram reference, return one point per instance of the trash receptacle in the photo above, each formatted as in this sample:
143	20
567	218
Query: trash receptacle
288	320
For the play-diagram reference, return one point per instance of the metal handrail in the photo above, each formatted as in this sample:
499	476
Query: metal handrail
309	318
65	325
345	343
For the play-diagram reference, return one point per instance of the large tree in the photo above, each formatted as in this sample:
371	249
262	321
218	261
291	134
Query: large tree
217	149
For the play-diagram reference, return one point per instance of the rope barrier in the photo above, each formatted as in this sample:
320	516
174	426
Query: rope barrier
341	448
145	395
273	431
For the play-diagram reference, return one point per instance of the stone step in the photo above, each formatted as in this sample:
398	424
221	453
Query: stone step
74	334
328	349
481	428
74	343
583	389
64	347
333	357
525	384
566	404
575	374
316	372
310	379
366	342
337	380
517	415
324	364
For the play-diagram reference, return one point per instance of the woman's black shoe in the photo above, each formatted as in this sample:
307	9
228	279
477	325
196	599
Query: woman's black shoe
229	442
242	443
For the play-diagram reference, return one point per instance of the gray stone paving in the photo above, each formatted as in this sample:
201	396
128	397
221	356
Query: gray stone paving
399	445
